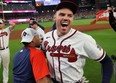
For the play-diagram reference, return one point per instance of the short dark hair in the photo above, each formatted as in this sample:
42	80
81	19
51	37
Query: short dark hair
34	22
32	18
26	43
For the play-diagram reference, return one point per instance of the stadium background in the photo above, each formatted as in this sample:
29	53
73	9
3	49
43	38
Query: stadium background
20	11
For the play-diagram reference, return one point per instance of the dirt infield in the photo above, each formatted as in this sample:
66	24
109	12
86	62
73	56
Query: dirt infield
16	34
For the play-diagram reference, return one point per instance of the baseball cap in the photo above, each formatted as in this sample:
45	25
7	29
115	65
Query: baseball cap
32	22
1	21
28	34
67	4
32	18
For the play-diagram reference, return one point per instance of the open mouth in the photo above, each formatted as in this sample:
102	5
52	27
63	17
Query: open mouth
64	24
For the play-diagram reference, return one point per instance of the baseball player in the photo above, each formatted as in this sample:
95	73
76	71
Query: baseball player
29	64
112	19
67	49
33	24
33	19
4	47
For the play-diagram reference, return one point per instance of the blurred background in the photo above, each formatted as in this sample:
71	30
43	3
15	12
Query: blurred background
21	10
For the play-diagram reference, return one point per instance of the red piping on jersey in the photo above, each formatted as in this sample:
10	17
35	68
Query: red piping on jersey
52	57
100	57
59	57
59	70
68	37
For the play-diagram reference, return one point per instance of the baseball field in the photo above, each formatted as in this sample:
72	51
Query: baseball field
101	32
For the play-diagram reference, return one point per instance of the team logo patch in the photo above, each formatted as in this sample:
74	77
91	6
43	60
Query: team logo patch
24	34
99	47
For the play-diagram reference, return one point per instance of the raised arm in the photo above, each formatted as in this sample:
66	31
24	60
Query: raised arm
11	25
112	19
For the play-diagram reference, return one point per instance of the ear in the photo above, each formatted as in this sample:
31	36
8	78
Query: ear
32	43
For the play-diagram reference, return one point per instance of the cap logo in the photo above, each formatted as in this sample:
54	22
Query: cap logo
24	34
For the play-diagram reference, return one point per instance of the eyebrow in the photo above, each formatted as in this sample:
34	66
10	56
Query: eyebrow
61	13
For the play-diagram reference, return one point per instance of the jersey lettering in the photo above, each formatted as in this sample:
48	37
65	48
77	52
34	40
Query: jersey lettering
59	48
2	39
3	33
72	57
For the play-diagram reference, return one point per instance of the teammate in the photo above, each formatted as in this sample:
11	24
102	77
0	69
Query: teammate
33	24
67	49
29	64
33	19
4	47
112	19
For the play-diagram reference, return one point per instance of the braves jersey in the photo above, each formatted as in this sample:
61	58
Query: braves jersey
29	64
4	37
67	54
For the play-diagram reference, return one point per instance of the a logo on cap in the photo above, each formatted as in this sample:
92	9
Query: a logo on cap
24	34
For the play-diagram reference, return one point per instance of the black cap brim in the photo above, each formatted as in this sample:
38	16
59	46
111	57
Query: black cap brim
67	4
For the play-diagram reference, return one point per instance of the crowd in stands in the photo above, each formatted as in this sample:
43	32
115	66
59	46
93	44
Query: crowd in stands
85	13
43	15
17	6
84	3
16	11
18	16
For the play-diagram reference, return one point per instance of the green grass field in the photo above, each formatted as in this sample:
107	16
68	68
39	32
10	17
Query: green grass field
105	38
49	24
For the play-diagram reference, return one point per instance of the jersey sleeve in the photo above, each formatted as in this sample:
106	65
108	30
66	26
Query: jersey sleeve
8	30
39	64
94	51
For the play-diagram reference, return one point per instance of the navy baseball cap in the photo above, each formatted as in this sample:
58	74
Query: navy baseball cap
67	4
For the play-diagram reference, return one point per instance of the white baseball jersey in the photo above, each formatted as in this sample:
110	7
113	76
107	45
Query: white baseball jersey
4	37
40	32
67	54
5	52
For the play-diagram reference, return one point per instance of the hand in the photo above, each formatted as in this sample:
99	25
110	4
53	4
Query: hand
109	8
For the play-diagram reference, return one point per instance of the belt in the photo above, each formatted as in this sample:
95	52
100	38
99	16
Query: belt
55	81
3	48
